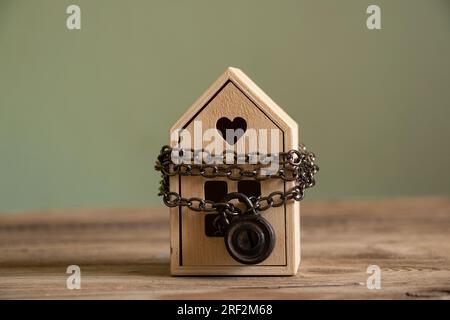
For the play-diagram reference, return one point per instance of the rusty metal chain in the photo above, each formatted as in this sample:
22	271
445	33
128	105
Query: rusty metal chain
295	165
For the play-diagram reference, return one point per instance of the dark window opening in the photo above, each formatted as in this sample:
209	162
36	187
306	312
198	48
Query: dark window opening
250	188
215	190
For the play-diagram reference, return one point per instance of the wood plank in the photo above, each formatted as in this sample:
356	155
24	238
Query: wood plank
124	254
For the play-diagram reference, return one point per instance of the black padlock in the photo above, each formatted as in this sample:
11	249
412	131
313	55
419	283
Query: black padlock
249	238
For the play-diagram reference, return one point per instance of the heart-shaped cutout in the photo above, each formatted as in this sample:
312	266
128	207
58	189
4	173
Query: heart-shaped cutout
231	131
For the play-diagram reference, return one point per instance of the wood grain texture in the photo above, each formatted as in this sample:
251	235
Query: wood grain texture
124	254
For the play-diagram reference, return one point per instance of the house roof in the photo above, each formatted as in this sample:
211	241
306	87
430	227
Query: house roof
247	86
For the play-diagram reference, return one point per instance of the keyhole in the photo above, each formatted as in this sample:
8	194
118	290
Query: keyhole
248	240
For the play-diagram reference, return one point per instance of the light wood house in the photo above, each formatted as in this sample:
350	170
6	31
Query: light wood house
232	97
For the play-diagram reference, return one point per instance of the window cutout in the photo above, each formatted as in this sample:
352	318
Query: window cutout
215	190
250	188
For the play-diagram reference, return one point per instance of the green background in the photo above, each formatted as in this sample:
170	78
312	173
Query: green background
83	113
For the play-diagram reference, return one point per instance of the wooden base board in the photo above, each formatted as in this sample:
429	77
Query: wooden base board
232	271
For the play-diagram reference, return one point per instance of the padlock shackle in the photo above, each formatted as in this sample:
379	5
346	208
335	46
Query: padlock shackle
243	198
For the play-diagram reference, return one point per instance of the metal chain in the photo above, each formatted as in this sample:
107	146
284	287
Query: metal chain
295	165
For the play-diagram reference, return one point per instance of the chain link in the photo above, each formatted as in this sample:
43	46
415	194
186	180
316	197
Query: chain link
294	165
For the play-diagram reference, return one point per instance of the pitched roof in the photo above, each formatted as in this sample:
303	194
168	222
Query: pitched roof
246	85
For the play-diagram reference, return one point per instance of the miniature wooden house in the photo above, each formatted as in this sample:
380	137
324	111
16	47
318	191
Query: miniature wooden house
233	101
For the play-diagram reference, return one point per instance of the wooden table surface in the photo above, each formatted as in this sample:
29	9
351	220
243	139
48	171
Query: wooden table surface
124	254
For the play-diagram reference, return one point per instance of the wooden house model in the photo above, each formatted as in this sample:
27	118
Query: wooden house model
233	100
